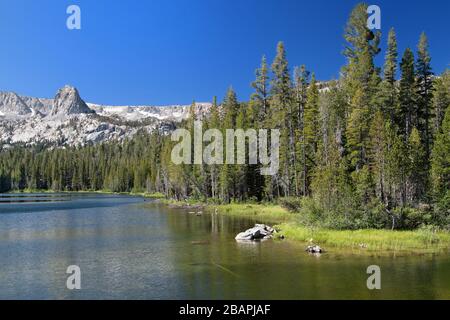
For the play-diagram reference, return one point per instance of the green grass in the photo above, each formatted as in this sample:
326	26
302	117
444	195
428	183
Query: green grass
422	240
264	213
176	203
155	195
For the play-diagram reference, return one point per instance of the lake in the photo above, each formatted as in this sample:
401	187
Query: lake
128	248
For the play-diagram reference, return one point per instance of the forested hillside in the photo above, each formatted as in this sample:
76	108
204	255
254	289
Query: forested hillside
370	150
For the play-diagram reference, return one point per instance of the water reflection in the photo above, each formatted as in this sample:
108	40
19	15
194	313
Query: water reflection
227	269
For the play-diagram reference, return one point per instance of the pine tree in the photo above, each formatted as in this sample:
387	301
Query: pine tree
301	84
357	131
358	36
440	162
260	98
228	175
214	172
258	118
441	100
362	46
377	155
424	92
397	168
417	168
390	65
280	117
240	170
310	133
407	98
388	93
280	88
360	83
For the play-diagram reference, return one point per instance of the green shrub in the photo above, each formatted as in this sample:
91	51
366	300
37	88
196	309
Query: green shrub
442	211
429	234
375	216
413	218
292	204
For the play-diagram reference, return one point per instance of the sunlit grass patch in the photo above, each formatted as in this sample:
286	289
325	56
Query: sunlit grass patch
264	213
369	239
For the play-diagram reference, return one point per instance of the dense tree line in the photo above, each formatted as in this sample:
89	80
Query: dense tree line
366	151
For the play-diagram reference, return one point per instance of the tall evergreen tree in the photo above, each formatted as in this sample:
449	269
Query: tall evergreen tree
424	92
407	96
362	46
214	123
388	93
310	133
440	168
280	114
390	64
377	155
301	84
228	176
260	98
417	177
441	100
357	132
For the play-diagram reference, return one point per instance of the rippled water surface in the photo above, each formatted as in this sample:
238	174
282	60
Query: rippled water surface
131	249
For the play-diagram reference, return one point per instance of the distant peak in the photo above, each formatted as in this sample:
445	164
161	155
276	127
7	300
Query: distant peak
11	103
68	101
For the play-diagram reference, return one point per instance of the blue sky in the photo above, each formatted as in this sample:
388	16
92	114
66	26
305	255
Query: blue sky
174	51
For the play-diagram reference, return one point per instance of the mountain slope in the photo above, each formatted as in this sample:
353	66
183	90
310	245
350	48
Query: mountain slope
12	104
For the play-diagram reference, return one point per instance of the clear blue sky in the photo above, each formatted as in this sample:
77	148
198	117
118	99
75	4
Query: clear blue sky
174	51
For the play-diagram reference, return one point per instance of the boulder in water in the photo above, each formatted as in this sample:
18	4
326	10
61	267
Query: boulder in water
314	249
258	232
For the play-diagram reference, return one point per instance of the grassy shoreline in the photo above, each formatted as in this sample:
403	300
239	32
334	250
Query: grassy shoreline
365	240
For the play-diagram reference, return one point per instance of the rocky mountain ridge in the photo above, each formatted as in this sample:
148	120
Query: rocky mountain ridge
67	120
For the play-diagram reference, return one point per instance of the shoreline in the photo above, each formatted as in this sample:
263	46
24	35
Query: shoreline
419	241
374	241
137	194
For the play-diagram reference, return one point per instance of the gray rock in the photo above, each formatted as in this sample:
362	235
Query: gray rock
244	236
258	232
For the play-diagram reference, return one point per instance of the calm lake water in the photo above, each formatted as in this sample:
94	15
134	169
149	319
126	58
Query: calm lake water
131	249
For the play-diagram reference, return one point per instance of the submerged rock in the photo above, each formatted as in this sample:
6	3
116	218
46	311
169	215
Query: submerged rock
200	243
314	249
258	232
